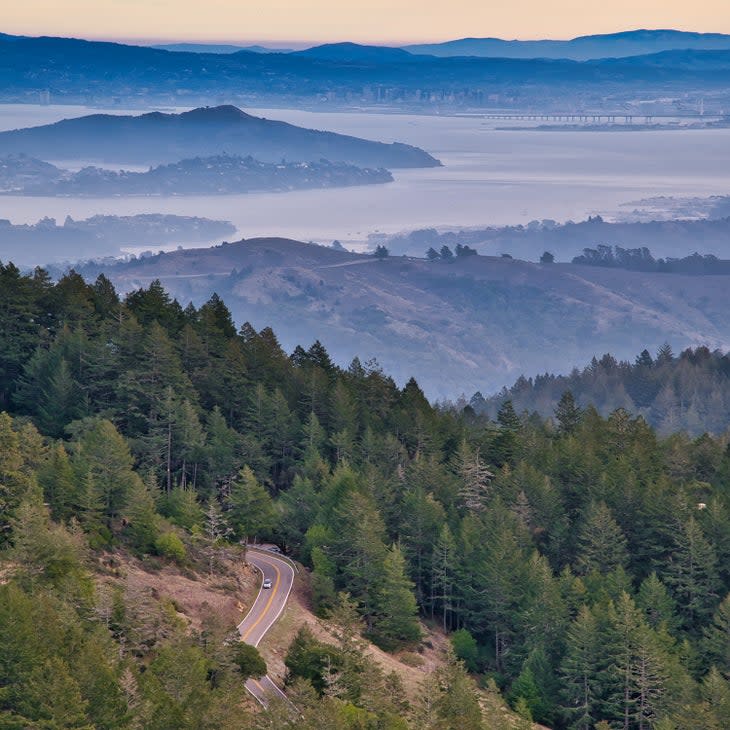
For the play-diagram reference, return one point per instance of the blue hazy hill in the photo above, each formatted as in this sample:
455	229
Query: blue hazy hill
79	71
216	48
583	48
157	137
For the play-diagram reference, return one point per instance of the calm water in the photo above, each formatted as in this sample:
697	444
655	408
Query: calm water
490	177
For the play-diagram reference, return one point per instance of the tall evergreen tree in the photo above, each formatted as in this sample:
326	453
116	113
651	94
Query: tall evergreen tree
395	622
567	413
251	510
601	543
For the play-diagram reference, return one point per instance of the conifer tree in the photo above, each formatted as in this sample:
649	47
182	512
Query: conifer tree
143	522
580	671
716	641
102	452
58	480
691	572
395	623
658	606
443	576
455	704
14	484
601	543
567	413
251	509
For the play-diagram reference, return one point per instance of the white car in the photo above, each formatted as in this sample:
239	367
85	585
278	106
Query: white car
266	583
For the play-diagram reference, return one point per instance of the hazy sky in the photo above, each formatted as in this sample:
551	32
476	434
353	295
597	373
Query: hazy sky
359	20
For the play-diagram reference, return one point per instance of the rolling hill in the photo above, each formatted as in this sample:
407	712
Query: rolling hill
157	138
474	324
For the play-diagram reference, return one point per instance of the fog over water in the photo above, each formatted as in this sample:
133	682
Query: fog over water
489	177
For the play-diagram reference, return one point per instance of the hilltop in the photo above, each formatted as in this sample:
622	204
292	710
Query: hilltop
157	137
473	324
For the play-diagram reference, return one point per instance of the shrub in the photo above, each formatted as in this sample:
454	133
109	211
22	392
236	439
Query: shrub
169	545
466	649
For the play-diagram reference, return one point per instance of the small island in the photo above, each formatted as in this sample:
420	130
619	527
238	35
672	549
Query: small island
217	175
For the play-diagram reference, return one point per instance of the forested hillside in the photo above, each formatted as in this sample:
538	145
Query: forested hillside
458	323
580	562
689	392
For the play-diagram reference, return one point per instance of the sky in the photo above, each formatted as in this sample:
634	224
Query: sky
374	21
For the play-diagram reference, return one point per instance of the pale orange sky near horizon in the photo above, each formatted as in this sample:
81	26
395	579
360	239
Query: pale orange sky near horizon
376	21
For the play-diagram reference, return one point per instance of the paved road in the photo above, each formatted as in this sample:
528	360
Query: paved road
267	607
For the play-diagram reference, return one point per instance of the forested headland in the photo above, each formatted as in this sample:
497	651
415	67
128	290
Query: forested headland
579	561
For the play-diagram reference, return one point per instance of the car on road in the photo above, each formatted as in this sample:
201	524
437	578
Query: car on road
266	583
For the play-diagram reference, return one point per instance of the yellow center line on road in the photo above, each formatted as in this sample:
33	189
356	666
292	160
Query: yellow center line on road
259	685
269	602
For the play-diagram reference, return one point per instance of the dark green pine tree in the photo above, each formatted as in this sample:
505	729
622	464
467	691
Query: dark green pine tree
140	512
638	682
60	486
154	305
396	613
19	324
691	573
15	482
222	450
506	441
658	606
100	451
420	519
716	640
444	576
251	509
567	413
601	545
580	672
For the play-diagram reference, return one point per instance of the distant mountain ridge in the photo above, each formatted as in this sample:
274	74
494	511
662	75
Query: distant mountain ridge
158	138
583	48
349	52
216	48
77	71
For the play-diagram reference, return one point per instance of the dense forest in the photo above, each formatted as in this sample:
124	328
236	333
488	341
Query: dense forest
578	561
686	393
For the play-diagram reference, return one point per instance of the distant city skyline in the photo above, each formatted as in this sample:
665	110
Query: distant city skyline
294	22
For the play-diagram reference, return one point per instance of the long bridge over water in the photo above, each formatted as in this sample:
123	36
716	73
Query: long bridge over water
598	117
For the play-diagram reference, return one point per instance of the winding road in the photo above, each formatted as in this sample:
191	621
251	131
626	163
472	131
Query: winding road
267	607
